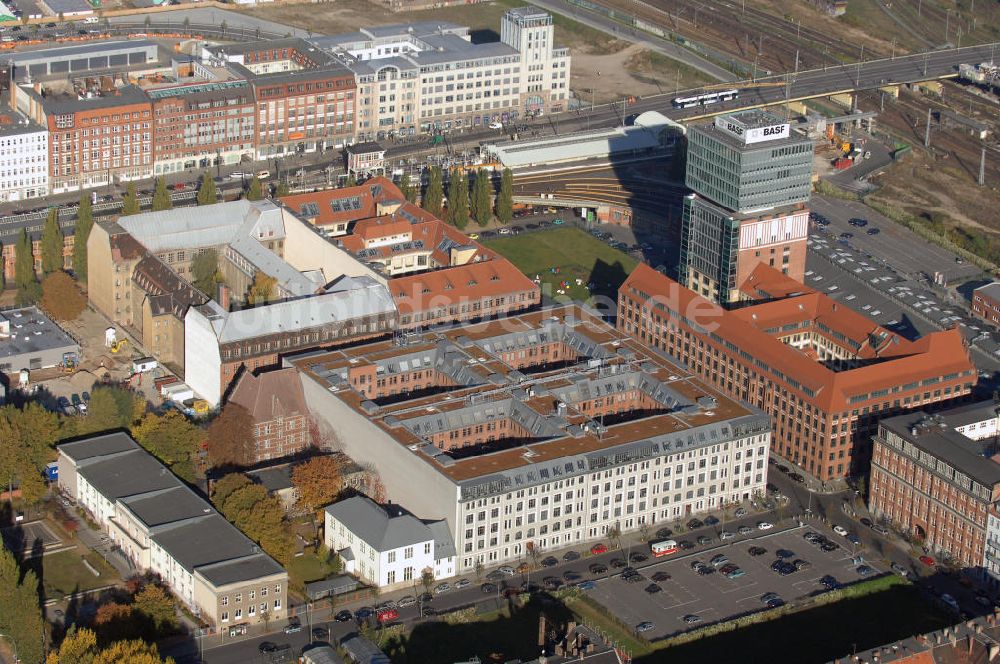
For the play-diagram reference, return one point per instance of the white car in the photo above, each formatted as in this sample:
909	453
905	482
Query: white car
238	175
463	583
496	125
840	530
765	525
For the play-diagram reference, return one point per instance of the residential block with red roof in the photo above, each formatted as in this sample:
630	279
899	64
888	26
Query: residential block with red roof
436	273
822	371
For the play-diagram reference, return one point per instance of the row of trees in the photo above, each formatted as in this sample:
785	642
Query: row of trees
261	517
150	613
20	615
80	646
461	206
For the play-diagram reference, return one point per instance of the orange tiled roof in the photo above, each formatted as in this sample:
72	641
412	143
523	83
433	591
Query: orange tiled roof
904	361
370	194
428	290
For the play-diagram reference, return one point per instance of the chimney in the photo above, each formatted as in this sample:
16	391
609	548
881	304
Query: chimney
223	296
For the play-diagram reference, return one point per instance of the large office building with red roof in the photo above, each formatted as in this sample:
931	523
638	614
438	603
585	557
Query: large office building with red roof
823	372
542	430
436	273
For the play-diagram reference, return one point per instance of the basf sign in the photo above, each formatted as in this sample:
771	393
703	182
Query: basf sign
754	134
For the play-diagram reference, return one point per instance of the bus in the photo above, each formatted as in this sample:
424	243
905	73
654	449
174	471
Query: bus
707	98
664	548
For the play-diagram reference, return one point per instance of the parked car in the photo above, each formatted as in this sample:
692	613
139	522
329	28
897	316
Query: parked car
506	570
293	626
571	555
864	571
346	616
899	569
840	530
744	530
598	568
488	588
462	583
644	627
652	589
442	588
695	523
756	551
726	535
927	560
765	525
830	582
703	540
549	561
661	576
711	520
405	601
598	549
692	618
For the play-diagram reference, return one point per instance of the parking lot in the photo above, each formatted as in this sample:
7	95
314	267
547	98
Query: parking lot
713	597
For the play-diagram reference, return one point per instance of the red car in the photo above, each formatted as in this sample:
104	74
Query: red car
927	560
598	548
385	615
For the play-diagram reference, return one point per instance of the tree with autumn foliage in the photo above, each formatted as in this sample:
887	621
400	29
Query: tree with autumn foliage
171	438
262	289
249	507
157	609
61	297
230	438
80	647
318	481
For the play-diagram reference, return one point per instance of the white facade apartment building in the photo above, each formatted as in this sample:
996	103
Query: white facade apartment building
24	159
429	76
388	546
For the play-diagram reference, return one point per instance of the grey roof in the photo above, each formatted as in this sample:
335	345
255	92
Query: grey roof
205	540
321	655
158	508
240	570
363	651
31	332
19	124
444	545
206	226
76	50
277	478
369	298
373	525
108	443
288	278
126	474
365	148
991	291
68	6
60	104
960	416
794	138
936	438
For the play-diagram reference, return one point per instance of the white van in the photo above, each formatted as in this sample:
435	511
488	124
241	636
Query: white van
91	19
263	175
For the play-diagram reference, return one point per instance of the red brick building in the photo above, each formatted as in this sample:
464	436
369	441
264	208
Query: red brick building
935	483
305	96
105	137
823	372
277	406
986	303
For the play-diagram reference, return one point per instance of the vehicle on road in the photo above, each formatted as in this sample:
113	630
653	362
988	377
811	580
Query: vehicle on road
899	569
320	633
830	582
865	521
853	539
950	601
740	512
873	231
473	236
767	597
703	540
664	533
756	551
665	548
695	523
347	616
801	564
571	575
293	626
840	530
571	556
828	546
692	618
719	560
506	570
267	647
784	553
857	222
726	535
652	589
238	175
598	568
263	175
637	558
765	525
644	627
550	561
386	615
598	549
496	125
927	560
462	583
488	588
705	99
711	520
864	571
661	576
442	588
618	563
880	529
586	585
405	601
364	613
686	545
744	530
558	222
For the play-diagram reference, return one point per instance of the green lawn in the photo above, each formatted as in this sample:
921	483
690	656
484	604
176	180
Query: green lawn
308	568
573	254
63	573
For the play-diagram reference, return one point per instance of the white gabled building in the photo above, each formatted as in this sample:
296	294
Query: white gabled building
388	546
24	158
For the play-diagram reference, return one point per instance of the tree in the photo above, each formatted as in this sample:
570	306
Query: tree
405	186
260	516
84	224
20	615
427	579
226	486
505	200
80	647
115	622
254	192
158	610
171	438
28	290
318	482
434	196
458	200
52	243
479	569
482	206
205	271
207	194
61	297
351	180
281	189
110	408
262	289
130	204
230	437
161	196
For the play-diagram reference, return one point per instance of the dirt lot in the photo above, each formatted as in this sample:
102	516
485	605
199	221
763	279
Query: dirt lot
942	182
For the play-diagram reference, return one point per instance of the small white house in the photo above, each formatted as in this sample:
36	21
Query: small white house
386	545
144	364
